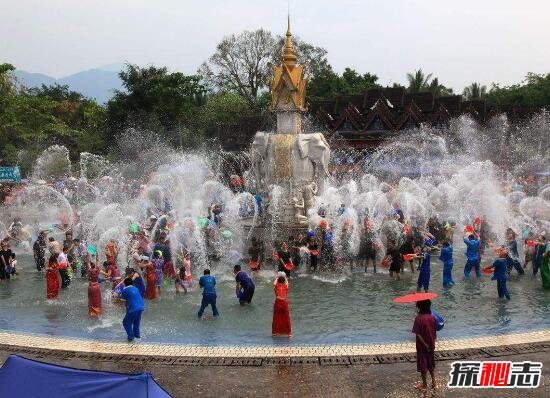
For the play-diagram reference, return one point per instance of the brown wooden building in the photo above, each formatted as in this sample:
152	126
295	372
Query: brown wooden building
366	121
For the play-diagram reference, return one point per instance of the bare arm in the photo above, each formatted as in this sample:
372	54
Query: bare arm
424	342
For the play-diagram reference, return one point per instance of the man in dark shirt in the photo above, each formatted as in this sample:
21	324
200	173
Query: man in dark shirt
244	287
285	260
6	255
68	247
39	250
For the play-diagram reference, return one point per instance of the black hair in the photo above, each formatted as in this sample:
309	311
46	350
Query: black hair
76	240
281	279
237	267
51	239
424	306
206	272
446	243
128	281
471	237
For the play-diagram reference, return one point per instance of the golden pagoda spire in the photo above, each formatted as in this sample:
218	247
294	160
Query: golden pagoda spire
288	89
289	56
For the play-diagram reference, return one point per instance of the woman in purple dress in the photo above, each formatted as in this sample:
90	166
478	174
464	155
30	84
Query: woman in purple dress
425	329
158	263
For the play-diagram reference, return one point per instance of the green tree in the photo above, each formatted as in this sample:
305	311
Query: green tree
324	86
474	91
418	81
534	91
243	63
31	120
438	89
354	83
155	99
7	84
220	109
327	85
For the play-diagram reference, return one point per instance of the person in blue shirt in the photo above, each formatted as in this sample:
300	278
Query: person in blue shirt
472	255
424	271
500	268
259	201
245	286
208	285
134	308
446	256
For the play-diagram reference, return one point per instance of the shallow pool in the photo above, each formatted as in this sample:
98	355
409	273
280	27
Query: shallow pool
352	308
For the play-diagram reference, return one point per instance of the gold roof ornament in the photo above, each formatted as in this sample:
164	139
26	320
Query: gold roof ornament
289	56
288	87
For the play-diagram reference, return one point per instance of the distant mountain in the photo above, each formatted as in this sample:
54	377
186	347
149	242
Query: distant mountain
98	83
32	79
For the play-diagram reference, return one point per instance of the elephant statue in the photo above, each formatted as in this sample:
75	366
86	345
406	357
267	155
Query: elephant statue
312	148
258	155
298	158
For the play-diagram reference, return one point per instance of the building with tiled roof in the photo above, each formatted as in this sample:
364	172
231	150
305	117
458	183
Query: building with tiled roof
367	120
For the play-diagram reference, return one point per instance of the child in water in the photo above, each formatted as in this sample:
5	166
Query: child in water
184	278
424	328
158	263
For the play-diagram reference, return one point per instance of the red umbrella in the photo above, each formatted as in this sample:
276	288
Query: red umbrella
414	297
487	270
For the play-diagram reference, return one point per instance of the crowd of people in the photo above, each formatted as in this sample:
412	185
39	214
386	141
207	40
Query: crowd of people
153	263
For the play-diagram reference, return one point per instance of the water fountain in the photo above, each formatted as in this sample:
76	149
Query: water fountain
289	166
419	172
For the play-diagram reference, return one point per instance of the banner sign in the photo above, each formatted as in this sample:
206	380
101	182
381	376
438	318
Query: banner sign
10	174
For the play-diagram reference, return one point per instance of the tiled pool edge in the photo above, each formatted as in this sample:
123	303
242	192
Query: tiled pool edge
446	348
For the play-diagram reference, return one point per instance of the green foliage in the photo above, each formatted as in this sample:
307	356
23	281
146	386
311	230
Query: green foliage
533	92
438	89
156	100
7	85
474	91
224	108
31	120
327	85
418	81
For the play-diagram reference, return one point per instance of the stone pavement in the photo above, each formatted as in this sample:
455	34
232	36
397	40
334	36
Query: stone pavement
388	376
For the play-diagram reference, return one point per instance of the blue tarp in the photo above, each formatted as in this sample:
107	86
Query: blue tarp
26	378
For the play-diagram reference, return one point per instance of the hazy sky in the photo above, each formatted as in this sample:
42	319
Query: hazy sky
458	41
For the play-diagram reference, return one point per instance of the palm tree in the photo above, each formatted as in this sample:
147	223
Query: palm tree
474	91
438	89
418	81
